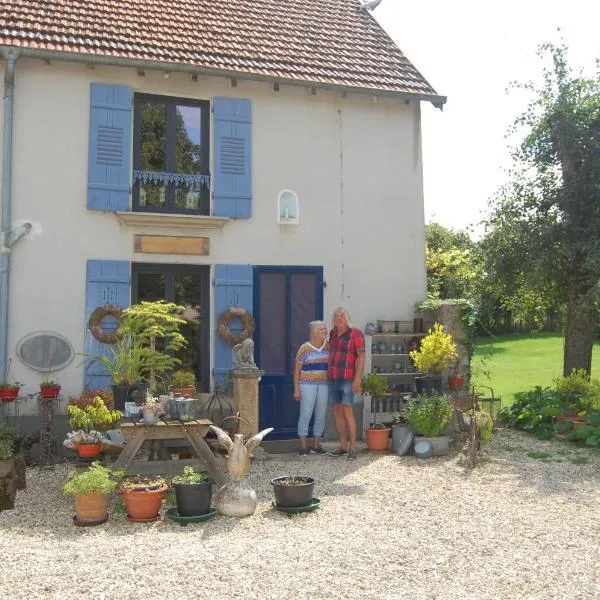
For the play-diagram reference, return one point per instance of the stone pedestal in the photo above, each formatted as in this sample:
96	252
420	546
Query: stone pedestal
245	395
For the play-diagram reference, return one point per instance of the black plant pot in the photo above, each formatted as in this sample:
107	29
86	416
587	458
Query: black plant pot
293	496
124	393
193	499
427	384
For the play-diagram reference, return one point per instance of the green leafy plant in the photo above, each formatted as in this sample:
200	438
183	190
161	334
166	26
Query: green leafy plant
377	387
183	378
6	448
5	385
190	477
49	383
430	415
579	390
87	397
401	416
436	353
92	416
96	480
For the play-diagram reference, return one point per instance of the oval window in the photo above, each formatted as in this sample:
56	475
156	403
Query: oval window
45	351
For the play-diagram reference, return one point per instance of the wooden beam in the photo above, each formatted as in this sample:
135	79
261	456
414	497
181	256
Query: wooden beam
167	244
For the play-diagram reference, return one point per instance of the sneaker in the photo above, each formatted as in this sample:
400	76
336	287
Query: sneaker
303	452
318	450
351	455
338	452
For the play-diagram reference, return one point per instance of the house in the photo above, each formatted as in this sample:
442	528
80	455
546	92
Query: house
261	154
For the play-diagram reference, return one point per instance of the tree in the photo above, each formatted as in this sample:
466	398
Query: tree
543	235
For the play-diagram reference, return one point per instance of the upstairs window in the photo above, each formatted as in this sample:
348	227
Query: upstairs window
171	155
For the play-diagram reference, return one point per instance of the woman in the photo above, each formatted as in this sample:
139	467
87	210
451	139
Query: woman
311	387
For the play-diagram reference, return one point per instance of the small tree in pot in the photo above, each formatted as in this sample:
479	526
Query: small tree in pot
377	434
193	493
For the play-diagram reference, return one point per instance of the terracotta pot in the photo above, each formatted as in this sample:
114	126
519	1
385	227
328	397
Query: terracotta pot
89	450
9	394
187	391
143	505
377	439
50	392
577	421
91	508
456	382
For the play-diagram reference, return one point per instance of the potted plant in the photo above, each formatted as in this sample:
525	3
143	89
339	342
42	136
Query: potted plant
456	380
183	383
152	408
435	354
193	493
9	392
49	390
402	435
143	496
91	490
293	491
377	434
429	417
92	416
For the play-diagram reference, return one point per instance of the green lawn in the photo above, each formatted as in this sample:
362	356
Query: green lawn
519	362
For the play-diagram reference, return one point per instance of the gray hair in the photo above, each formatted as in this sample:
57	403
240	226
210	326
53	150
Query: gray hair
313	325
346	314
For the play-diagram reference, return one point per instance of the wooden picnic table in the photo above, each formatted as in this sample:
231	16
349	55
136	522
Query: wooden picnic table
194	432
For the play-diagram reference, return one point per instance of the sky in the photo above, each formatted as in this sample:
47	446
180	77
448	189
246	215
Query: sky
471	51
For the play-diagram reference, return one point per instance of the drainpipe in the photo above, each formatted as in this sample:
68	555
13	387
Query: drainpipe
10	58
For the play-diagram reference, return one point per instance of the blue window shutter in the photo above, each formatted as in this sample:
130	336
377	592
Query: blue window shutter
232	191
108	282
109	156
233	287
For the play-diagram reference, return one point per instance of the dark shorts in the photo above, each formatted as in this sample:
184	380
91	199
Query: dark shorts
340	391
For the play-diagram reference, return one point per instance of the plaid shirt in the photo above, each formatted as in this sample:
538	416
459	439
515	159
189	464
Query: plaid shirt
343	353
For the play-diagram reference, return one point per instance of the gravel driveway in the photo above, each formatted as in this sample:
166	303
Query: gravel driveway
524	524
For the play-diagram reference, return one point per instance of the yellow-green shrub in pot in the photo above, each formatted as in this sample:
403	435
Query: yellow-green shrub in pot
429	417
377	434
435	354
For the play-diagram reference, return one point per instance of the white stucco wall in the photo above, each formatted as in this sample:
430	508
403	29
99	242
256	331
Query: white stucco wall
355	164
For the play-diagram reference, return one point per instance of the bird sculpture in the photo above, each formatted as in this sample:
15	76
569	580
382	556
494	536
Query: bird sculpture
236	498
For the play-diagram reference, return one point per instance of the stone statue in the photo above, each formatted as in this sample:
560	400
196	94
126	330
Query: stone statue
236	498
243	355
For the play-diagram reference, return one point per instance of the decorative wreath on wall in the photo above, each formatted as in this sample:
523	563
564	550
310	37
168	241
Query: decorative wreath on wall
95	323
235	312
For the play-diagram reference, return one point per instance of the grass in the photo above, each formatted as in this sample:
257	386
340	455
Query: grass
519	362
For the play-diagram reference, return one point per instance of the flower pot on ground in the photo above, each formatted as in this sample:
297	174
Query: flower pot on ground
88	419
429	417
91	490
183	383
143	497
49	390
377	435
9	392
293	492
193	493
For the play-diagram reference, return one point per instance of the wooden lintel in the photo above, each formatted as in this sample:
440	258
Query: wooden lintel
171	244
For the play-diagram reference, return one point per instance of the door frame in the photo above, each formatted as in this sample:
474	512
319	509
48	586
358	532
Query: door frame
316	270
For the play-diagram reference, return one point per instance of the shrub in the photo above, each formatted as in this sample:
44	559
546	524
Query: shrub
96	480
183	378
580	392
94	415
87	397
436	353
430	415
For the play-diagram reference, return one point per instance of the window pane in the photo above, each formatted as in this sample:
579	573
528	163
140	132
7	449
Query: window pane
188	136
153	155
187	293
151	287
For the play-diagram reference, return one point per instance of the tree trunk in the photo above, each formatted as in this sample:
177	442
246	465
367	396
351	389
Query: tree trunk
579	331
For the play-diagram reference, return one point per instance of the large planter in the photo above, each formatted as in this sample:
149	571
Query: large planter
440	444
9	394
89	450
143	505
91	509
193	499
292	492
402	438
377	438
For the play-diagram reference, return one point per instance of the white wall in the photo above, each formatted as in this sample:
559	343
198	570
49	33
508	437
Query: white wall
354	162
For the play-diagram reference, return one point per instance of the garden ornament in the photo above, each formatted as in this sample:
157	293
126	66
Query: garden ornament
236	498
243	355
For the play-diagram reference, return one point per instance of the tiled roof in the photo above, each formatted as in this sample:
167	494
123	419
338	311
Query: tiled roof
328	42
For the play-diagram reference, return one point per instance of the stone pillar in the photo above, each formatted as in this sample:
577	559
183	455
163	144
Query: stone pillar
245	395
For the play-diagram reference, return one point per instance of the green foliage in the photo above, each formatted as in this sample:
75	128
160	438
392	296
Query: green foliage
5	385
92	416
436	353
430	415
534	411
584	391
190	477
375	385
6	448
183	378
97	479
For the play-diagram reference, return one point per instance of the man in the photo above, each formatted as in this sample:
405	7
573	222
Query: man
345	368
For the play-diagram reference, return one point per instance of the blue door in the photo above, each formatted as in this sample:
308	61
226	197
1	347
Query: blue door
286	299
